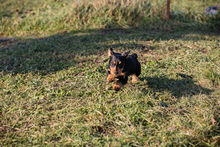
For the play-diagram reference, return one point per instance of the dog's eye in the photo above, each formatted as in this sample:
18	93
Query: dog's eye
114	62
119	62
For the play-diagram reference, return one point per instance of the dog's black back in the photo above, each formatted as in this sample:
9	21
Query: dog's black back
132	66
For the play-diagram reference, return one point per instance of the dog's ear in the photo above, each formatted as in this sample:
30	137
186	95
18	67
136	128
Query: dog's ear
110	52
126	54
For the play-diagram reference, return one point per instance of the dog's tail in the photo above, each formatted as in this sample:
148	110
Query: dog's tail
134	55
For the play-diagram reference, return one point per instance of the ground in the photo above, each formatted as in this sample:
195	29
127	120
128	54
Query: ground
53	87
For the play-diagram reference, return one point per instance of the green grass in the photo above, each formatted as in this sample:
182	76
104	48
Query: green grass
53	88
24	18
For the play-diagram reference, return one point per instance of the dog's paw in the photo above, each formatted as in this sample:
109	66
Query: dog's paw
110	78
117	86
134	78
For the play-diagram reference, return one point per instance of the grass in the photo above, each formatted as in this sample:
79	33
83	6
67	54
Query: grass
25	18
53	87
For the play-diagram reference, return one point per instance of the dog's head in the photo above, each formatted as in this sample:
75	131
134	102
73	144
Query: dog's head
117	62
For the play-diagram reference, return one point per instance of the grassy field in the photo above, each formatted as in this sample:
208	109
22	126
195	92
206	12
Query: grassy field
53	62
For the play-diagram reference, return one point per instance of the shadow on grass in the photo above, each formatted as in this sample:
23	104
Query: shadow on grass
183	86
61	51
54	53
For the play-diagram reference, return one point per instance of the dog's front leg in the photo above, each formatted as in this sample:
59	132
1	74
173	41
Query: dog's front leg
122	81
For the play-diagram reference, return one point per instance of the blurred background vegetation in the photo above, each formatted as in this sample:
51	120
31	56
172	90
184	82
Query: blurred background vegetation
18	18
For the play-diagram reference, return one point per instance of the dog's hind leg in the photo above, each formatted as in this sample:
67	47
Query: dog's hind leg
134	78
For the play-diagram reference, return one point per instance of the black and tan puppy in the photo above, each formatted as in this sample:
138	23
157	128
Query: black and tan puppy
121	66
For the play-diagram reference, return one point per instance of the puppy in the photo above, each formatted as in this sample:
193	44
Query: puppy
122	66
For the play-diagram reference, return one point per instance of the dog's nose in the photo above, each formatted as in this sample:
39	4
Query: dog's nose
116	72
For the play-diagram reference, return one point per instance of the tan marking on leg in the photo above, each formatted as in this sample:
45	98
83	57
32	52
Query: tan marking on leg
134	78
117	86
